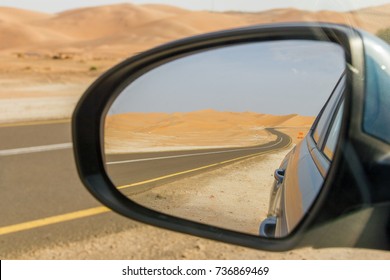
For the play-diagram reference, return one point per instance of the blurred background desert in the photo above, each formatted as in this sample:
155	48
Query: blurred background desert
48	60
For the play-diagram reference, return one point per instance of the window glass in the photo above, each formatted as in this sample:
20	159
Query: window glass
333	136
376	120
323	122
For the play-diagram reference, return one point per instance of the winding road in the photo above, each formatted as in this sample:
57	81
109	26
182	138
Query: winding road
139	171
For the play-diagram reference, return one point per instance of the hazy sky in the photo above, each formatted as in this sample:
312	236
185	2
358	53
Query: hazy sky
273	77
216	5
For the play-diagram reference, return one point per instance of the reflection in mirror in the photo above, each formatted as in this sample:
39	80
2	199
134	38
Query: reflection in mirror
200	137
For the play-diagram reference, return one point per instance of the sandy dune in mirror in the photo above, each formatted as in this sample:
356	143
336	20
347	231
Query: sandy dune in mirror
141	132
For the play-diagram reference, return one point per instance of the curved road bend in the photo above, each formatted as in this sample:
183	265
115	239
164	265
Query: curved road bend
137	172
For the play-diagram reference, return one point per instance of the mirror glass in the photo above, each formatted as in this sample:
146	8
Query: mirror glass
200	137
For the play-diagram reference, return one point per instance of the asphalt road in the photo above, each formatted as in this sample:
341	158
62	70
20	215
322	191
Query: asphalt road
44	203
140	171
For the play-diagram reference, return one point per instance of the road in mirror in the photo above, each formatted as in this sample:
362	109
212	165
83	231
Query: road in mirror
200	137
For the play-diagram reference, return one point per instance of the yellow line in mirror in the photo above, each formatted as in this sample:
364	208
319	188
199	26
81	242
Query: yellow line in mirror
188	171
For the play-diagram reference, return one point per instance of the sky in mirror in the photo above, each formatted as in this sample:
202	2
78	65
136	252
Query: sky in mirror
282	77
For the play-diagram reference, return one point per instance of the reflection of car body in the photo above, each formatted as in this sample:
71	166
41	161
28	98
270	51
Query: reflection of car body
301	173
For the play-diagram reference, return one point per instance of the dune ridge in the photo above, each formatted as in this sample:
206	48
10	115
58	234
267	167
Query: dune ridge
70	49
195	130
122	25
202	120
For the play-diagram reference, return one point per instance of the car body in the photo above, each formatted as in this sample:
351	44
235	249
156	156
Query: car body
302	172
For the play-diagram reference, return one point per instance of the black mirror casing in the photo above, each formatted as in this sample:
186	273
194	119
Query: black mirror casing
332	202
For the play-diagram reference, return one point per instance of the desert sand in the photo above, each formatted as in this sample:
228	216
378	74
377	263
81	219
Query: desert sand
61	54
146	132
124	28
216	198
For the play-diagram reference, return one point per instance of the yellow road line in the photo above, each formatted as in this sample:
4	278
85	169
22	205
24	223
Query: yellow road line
188	171
53	220
200	168
99	210
28	123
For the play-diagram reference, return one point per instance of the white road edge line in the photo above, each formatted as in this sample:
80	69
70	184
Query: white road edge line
62	146
190	155
36	149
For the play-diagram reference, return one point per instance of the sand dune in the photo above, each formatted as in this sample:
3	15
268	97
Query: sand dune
201	121
293	15
373	19
17	28
166	8
297	120
120	26
97	22
194	130
19	34
78	45
8	15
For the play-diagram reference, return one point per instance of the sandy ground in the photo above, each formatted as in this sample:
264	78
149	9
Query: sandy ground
233	197
33	90
210	195
151	243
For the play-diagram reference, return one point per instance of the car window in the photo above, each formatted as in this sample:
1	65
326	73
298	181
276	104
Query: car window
377	99
333	135
325	116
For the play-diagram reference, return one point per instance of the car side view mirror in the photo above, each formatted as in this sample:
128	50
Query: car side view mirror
251	136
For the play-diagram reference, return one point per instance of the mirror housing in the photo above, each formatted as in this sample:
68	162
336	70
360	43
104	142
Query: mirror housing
333	202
